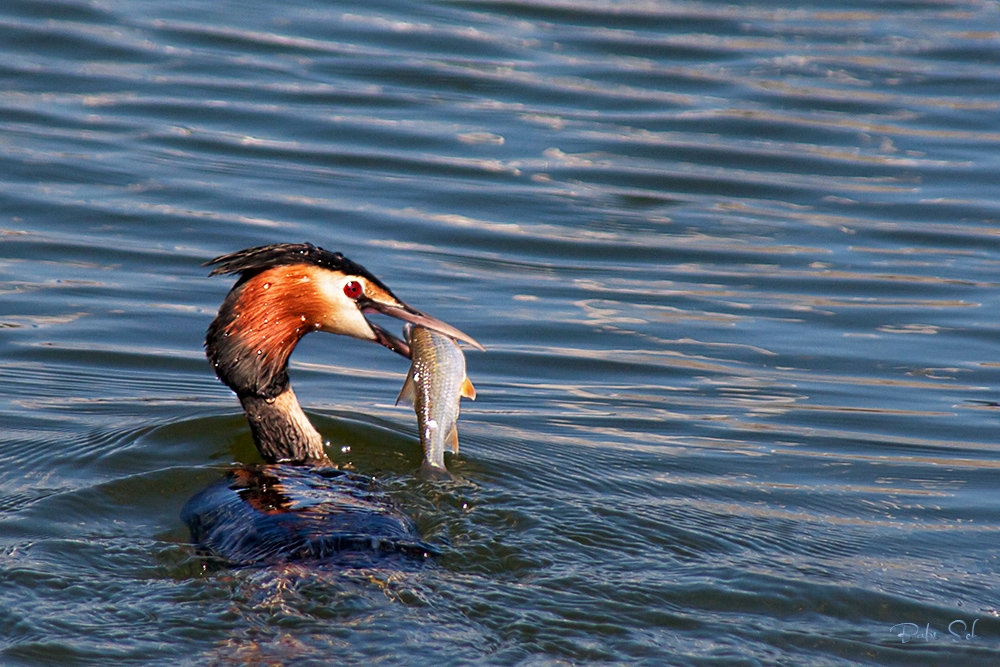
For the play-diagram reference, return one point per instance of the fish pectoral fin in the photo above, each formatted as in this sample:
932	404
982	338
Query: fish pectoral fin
408	394
453	439
468	391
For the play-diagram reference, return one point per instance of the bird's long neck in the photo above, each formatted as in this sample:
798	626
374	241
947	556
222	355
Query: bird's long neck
249	343
282	431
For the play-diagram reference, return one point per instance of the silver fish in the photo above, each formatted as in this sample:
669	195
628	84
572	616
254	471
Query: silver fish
433	387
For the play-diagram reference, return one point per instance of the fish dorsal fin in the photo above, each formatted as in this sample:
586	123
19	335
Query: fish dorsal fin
468	391
408	394
453	438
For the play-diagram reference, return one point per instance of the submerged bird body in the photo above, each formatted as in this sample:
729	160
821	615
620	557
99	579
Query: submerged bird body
262	515
297	506
434	386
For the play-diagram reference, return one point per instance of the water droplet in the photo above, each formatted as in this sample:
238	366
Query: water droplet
267	285
259	352
302	317
345	449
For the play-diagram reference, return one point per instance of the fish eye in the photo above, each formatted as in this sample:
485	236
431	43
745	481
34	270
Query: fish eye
353	289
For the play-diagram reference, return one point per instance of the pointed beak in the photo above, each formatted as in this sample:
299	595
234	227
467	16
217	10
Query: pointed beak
401	311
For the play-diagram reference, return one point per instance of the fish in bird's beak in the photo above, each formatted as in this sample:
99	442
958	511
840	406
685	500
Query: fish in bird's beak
387	305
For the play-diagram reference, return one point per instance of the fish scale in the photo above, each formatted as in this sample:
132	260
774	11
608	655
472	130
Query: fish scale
434	385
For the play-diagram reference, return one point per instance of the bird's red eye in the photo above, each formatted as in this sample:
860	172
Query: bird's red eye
353	289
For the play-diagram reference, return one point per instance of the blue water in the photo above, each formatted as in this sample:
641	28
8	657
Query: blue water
734	267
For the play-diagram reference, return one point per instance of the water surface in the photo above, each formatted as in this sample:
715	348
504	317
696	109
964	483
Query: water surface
735	268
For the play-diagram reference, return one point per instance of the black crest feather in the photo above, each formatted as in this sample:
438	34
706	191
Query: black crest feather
254	260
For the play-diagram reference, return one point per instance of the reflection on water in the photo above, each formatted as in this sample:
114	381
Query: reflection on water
734	266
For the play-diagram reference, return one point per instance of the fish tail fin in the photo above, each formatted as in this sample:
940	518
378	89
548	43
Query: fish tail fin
468	391
434	473
408	394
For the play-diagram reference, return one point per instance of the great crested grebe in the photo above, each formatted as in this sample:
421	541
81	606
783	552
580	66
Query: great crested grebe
298	506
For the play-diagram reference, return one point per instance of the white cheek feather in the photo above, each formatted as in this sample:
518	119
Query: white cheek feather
341	315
